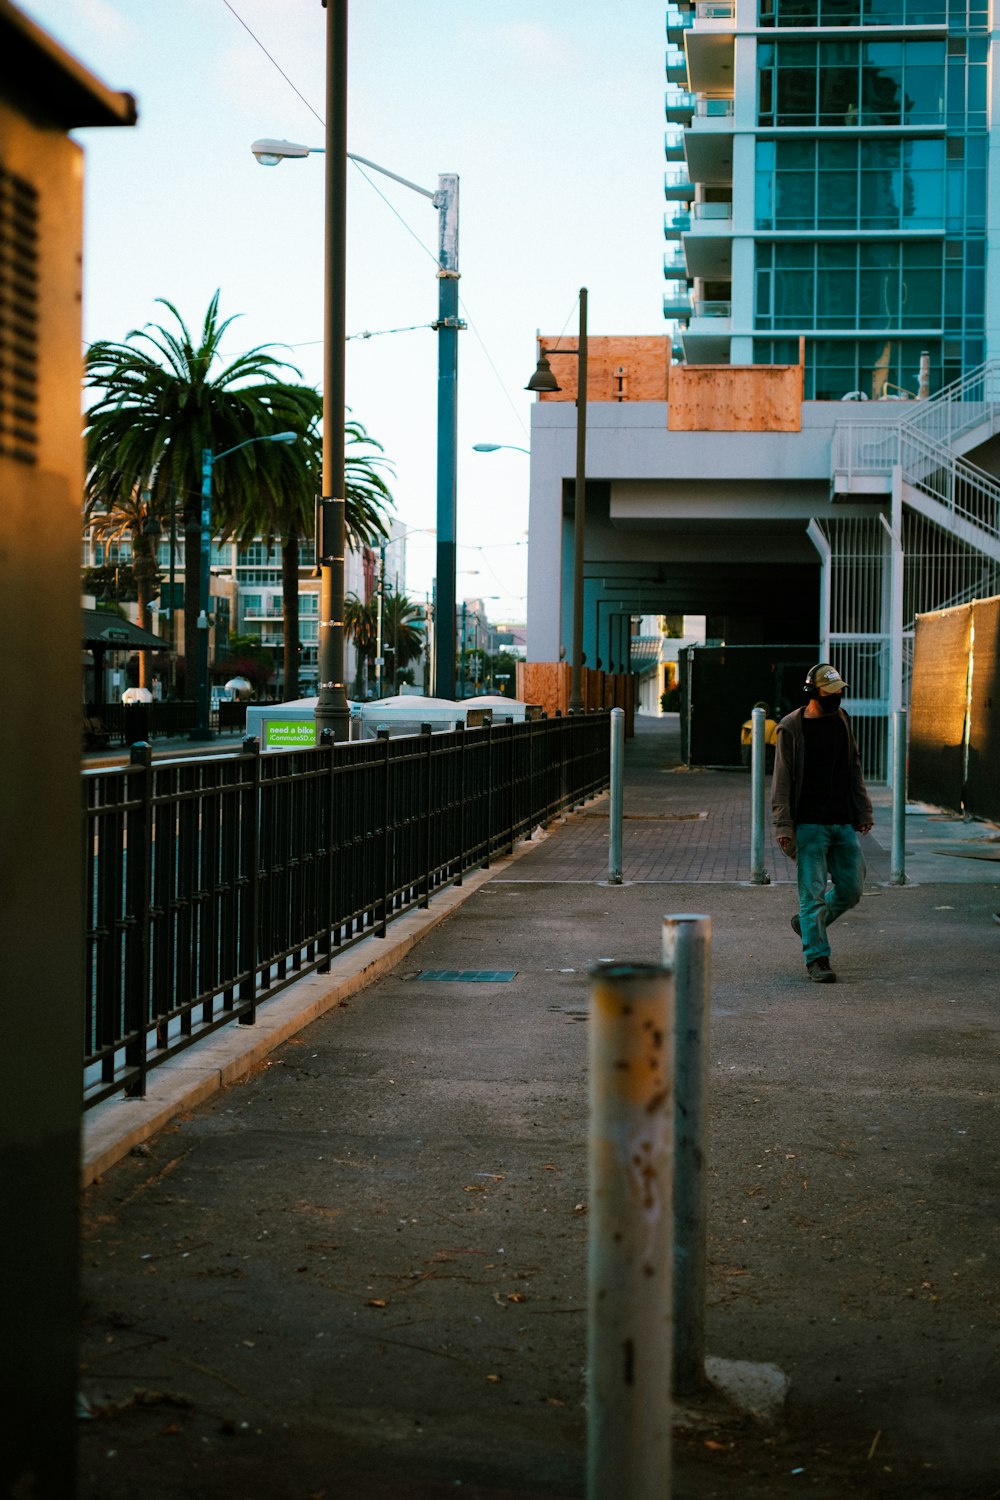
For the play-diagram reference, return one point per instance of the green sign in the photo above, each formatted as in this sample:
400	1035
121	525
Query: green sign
296	734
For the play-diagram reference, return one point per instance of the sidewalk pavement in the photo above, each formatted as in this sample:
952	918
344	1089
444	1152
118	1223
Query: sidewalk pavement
342	1253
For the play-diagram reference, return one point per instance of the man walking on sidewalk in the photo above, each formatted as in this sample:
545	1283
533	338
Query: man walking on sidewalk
820	805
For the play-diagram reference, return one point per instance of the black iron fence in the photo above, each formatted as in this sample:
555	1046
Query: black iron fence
213	882
127	723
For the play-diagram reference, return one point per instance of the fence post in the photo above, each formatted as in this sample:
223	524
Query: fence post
138	855
382	733
617	795
251	916
631	1043
897	875
687	950
426	735
758	753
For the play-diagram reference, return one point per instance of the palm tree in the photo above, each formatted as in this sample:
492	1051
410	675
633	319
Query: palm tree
160	406
282	505
361	624
401	638
134	518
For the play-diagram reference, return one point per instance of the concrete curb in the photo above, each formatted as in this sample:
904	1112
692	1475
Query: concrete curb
111	1129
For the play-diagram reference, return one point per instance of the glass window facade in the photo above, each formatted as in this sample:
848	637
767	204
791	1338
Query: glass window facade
854	12
885	284
851	82
851	183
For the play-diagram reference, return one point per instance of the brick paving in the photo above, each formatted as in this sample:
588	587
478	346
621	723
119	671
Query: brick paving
680	825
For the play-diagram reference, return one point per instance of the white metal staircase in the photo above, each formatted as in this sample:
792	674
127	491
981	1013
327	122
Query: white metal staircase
939	544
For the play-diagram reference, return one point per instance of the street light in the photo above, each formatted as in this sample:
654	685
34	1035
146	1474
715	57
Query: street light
495	447
543	380
270	153
202	730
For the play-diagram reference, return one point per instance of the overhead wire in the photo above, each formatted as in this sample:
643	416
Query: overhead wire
409	229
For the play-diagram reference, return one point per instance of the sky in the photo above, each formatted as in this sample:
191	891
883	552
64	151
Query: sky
552	116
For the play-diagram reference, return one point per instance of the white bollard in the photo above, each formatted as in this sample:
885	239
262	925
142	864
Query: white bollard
758	755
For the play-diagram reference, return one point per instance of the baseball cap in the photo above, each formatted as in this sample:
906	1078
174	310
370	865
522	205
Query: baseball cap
827	679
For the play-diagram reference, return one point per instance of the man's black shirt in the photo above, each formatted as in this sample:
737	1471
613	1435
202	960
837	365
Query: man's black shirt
824	796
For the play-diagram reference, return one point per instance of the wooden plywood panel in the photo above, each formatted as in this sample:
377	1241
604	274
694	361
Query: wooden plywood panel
630	368
546	683
735	398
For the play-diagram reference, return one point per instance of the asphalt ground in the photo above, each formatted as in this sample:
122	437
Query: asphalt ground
346	1257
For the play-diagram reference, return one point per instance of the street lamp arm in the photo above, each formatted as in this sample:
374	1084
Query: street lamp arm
494	447
266	437
270	152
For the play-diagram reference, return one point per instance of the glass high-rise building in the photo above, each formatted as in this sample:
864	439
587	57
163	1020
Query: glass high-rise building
827	178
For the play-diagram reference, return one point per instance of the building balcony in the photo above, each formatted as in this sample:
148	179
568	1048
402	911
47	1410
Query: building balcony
677	304
677	185
708	243
676	65
706	337
673	144
705	340
708	143
680	106
708	12
676	223
709	257
675	266
710	55
678	21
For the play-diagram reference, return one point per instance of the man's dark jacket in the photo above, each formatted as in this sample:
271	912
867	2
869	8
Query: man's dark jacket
786	784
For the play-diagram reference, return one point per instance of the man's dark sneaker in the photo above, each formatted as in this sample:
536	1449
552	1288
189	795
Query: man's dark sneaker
796	925
819	971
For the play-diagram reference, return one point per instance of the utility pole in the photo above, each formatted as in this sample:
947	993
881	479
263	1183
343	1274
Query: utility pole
379	601
332	711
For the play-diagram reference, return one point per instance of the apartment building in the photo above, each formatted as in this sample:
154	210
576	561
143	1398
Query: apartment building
828	171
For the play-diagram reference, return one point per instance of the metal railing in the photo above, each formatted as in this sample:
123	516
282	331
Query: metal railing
716	211
213	882
969	402
872	449
709	309
711	108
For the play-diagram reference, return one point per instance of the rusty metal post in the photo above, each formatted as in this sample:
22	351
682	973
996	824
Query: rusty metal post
758	754
897	873
631	1039
687	950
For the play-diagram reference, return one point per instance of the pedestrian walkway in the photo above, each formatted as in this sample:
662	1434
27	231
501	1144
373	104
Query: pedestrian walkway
358	1270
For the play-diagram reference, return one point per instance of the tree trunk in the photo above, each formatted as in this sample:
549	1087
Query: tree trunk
147	577
290	610
192	553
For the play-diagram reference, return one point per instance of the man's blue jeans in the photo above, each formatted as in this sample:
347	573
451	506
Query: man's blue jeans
826	849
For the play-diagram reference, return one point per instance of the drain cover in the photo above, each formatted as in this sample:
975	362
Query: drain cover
470	976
